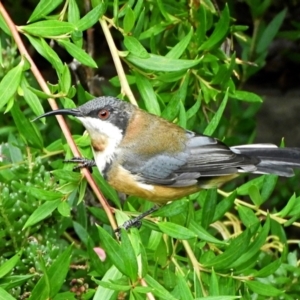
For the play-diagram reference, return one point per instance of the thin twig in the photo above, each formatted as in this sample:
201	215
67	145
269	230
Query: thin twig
125	88
36	73
149	295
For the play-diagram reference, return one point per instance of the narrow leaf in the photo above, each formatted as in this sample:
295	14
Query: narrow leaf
146	90
26	128
161	63
43	8
48	28
246	96
78	53
135	47
113	250
203	234
270	32
213	124
129	20
219	32
8	265
10	83
130	259
41	213
91	17
263	289
179	48
176	231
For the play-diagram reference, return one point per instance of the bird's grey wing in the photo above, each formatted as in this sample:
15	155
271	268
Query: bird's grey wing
202	157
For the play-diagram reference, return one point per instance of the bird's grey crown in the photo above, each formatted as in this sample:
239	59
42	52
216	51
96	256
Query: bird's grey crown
120	111
93	106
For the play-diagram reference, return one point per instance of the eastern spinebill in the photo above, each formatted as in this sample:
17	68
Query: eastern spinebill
141	154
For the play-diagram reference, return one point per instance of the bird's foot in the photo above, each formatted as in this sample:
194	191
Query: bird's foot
137	221
82	162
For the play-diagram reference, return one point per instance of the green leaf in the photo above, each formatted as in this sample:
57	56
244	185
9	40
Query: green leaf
268	186
247	216
244	189
270	32
175	106
5	295
129	20
43	8
154	30
224	206
176	231
179	48
65	80
67	175
10	83
47	52
49	28
255	195
183	288
42	194
159	290
113	250
246	96
289	206
10	282
106	189
135	47
56	274
4	26
161	63
81	232
236	248
172	209
41	213
26	128
129	256
8	265
254	247
146	90
91	17
213	124
64	209
194	109
269	269
112	275
31	98
219	298
203	234
214	289
263	289
208	207
73	12
219	32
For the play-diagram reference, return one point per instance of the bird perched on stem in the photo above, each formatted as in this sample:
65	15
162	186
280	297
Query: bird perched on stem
144	155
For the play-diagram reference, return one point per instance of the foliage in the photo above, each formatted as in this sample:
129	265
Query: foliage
56	241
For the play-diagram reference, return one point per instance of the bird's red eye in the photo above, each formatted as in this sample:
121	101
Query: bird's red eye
103	114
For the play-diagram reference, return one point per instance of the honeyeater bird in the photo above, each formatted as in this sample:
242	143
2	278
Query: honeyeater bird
141	154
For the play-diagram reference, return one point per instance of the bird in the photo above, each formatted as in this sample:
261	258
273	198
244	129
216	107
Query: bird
144	155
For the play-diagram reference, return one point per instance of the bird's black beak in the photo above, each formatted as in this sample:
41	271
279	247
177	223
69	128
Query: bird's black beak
71	112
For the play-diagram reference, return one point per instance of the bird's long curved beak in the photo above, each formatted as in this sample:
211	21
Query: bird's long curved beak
72	112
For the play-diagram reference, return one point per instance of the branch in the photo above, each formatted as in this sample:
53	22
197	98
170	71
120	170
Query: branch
125	88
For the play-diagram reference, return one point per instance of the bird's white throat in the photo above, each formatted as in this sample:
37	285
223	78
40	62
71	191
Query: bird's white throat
109	133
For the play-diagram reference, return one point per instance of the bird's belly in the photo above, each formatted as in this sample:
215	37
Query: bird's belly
121	179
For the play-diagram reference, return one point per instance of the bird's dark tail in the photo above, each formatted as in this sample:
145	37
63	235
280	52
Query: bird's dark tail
272	160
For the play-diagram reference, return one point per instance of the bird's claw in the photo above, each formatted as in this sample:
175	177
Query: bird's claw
82	162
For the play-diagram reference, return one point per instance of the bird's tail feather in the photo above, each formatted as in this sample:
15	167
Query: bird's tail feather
273	160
